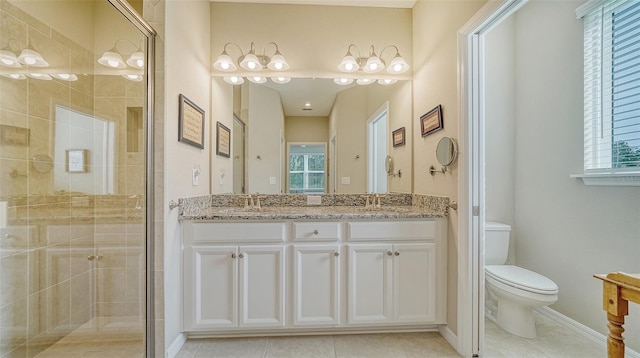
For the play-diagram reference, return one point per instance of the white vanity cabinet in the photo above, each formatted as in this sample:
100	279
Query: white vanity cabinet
233	285
305	275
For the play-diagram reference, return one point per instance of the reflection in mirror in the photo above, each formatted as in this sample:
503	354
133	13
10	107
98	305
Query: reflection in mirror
319	111
238	156
42	163
388	165
307	167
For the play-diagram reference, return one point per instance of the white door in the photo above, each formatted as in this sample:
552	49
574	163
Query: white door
370	290
414	282
210	295
316	286
238	156
261	286
377	151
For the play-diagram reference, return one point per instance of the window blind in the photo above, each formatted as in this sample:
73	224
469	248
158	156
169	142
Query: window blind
612	87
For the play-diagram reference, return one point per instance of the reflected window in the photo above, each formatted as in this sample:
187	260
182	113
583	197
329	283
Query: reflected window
307	168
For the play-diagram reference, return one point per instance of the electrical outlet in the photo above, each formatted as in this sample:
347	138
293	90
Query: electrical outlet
345	180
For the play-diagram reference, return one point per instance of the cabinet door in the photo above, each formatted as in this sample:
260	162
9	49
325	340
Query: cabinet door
369	293
261	286
210	295
316	275
414	283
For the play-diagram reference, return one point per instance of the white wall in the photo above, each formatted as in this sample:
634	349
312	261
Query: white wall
435	27
561	228
266	130
187	34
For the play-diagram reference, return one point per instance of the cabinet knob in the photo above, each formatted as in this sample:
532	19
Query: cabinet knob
241	255
336	253
315	232
233	255
397	253
389	253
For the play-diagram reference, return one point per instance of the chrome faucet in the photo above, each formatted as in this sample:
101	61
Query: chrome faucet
248	202
376	200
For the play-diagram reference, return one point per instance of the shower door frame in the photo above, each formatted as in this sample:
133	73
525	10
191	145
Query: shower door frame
136	20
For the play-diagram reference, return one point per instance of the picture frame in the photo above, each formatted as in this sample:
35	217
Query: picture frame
431	121
12	135
76	160
398	137
190	123
223	140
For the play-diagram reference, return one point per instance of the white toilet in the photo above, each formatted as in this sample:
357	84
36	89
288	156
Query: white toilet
516	290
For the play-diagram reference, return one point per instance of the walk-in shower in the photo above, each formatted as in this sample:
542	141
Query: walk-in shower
75	100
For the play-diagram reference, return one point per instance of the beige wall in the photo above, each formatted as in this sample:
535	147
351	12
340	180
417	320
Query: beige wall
306	129
435	26
313	39
265	138
187	32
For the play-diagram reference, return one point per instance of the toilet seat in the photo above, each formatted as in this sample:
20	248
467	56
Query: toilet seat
521	278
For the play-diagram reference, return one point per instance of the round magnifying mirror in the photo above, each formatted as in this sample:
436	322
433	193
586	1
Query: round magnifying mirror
388	164
446	151
42	163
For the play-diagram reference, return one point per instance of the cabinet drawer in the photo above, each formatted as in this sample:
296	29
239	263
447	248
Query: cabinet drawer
244	232
390	230
316	231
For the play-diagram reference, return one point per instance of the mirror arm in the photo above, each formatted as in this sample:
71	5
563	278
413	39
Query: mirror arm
433	170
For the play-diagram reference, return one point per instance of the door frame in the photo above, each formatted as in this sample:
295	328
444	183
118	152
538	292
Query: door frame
384	109
471	201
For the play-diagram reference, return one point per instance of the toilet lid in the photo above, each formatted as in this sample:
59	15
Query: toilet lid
521	278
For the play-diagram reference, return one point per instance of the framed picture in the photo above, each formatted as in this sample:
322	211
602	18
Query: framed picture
223	140
14	135
190	123
397	137
77	160
431	121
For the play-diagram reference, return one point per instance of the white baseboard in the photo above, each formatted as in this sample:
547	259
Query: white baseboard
176	345
584	331
451	337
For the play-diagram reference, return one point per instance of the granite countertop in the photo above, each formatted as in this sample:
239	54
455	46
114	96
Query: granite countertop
311	213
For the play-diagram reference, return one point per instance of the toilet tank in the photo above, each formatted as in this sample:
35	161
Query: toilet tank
496	243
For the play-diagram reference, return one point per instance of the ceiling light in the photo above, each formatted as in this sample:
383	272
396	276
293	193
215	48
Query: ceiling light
387	81
251	61
234	80
15	76
40	76
372	63
9	59
65	76
32	58
257	79
281	80
343	81
365	81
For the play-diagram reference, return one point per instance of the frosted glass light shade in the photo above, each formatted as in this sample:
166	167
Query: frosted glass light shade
250	62
40	76
224	63
387	81
65	76
15	76
136	60
257	79
278	63
281	80
373	65
112	59
365	81
348	64
9	59
32	58
233	80
398	65
343	81
133	77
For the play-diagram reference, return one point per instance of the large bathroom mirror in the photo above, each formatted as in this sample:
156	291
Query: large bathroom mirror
318	111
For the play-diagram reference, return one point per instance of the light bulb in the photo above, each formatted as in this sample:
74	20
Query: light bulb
30	60
397	67
64	76
251	65
140	63
7	62
373	66
349	66
112	63
278	66
224	65
15	76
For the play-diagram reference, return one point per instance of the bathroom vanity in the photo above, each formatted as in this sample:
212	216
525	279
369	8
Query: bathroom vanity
313	268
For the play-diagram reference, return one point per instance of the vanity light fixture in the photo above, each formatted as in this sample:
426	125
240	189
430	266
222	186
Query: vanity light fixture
343	81
251	61
8	58
15	76
65	76
372	63
113	58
